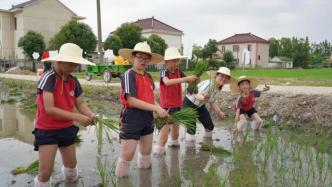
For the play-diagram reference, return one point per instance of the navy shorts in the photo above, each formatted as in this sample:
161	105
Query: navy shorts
61	137
250	112
134	131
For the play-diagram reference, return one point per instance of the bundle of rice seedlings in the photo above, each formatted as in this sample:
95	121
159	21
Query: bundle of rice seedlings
32	169
200	68
215	150
112	125
186	117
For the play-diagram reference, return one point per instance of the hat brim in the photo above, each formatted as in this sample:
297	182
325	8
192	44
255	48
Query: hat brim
76	60
175	57
127	54
234	84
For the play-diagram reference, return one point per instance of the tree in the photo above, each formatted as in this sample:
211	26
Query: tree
32	42
301	52
274	47
210	48
197	51
228	57
113	42
286	47
130	34
157	44
75	32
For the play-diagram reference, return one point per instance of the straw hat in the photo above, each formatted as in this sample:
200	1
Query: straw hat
172	53
141	47
70	52
234	84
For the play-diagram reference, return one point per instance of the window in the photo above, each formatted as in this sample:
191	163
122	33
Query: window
15	23
0	124
222	49
235	48
259	57
249	47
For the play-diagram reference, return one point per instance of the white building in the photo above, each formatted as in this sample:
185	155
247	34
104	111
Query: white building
44	16
171	35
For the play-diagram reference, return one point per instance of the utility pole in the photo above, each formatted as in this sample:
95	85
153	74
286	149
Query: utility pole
100	48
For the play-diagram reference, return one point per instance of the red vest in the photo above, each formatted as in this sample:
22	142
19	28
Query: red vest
64	98
248	103
144	89
171	96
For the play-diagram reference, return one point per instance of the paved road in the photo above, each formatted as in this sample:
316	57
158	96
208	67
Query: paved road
274	88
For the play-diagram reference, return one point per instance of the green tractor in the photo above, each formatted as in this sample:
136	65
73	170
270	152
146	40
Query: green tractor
108	71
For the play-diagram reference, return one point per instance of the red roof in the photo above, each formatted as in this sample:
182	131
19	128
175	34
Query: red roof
243	38
152	23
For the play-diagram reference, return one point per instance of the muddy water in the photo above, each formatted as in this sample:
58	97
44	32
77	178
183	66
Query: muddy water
268	158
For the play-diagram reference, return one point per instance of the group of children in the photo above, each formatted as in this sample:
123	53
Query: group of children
59	93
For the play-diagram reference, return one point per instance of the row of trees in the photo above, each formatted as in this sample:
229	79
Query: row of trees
301	51
125	36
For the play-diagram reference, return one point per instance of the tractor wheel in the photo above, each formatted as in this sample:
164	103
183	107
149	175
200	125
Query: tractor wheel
107	75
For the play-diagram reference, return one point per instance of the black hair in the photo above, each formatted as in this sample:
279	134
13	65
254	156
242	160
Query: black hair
243	81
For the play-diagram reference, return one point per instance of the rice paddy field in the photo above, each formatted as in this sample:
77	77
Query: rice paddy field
273	156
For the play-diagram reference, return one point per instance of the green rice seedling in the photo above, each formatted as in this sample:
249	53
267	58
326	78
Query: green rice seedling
104	172
200	68
31	169
220	151
186	117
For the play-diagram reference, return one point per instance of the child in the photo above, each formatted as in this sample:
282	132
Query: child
138	99
207	92
245	103
171	96
58	94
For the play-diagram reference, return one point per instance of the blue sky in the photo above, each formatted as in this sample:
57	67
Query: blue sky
217	19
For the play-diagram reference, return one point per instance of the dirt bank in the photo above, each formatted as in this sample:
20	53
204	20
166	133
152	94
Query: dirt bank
296	110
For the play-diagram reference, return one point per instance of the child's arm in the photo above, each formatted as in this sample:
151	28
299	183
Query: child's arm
57	112
216	108
83	108
134	102
169	82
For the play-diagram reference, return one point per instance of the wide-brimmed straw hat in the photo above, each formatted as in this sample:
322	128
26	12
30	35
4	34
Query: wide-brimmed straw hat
70	52
221	70
234	85
141	47
172	53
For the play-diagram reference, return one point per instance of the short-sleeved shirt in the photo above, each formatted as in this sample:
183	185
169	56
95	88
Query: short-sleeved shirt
246	103
207	88
64	94
170	96
141	87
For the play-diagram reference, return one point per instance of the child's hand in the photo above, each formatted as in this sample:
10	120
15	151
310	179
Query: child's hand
200	97
161	112
221	115
191	78
83	120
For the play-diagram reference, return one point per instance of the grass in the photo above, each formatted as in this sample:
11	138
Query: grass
292	77
220	151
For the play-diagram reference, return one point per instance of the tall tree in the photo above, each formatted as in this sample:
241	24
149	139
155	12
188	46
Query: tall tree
274	47
75	32
113	42
157	44
210	48
130	34
197	51
286	47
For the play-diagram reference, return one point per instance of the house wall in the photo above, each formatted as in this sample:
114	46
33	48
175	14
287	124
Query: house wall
259	53
6	36
172	39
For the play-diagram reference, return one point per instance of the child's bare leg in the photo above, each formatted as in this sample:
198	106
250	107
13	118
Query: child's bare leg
145	148
46	161
159	149
242	123
69	169
257	121
127	152
175	131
